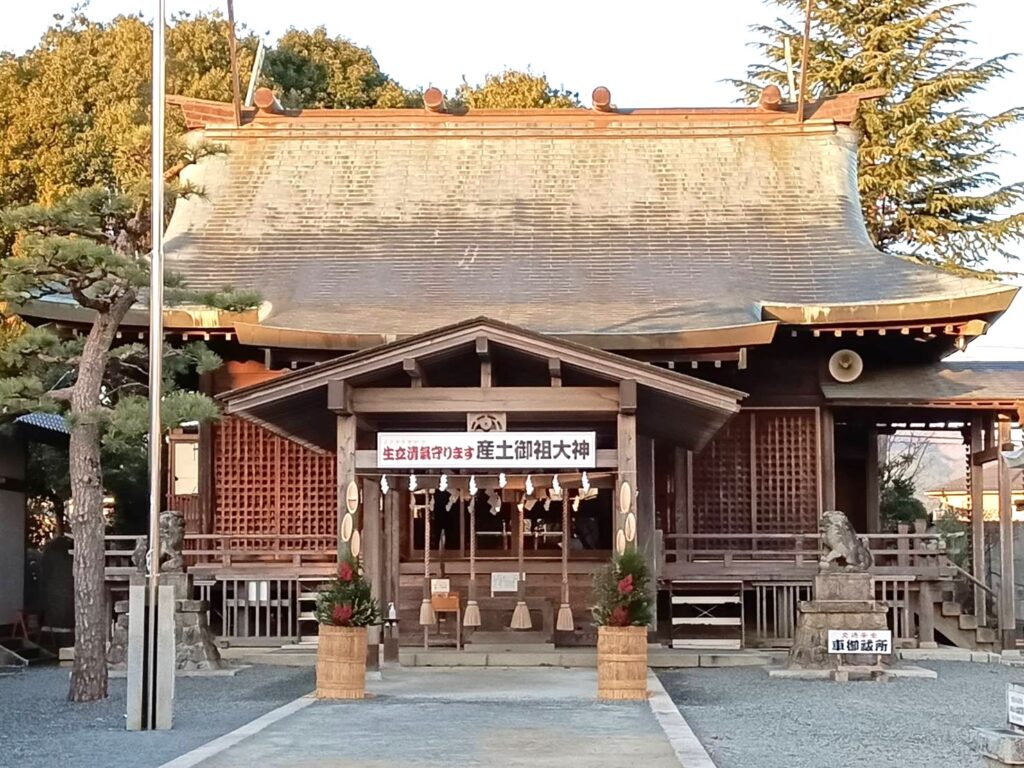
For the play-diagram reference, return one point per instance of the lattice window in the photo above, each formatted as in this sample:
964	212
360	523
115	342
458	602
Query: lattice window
786	471
721	484
758	475
267	486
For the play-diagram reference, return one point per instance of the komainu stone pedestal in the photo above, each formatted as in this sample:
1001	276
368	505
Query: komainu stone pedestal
193	642
843	600
999	748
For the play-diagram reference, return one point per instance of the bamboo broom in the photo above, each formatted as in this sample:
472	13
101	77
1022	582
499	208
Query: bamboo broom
564	622
472	615
521	615
426	609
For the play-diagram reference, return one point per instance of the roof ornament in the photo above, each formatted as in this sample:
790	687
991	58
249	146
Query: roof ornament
771	98
433	100
266	101
601	99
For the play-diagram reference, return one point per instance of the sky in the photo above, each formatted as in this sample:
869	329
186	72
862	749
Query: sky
649	53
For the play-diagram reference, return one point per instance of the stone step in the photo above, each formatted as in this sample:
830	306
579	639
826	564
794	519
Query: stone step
508	637
985	635
951	608
967	621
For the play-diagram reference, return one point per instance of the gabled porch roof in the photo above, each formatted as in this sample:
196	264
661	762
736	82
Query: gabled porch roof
667	403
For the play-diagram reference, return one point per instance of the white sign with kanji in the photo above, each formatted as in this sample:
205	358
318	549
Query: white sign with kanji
860	641
1015	704
486	450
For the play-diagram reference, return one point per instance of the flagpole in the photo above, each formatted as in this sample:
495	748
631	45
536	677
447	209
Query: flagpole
156	343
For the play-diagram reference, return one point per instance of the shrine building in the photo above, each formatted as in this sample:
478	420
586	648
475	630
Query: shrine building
496	346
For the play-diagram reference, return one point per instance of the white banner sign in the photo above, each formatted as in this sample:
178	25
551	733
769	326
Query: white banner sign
860	641
504	581
486	450
1015	704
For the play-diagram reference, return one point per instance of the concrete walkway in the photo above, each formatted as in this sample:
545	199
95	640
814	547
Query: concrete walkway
454	717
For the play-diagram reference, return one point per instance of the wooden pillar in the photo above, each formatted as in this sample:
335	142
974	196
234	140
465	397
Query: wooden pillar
682	466
392	572
976	486
625	498
925	615
828	460
1007	591
348	490
373	566
206	473
872	489
646	528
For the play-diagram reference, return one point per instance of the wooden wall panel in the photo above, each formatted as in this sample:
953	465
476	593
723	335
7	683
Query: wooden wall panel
266	486
758	475
786	462
721	483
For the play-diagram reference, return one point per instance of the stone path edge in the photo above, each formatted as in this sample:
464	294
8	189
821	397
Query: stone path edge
689	751
228	740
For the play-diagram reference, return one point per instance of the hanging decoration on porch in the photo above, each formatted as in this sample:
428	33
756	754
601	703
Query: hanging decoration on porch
529	485
521	614
385	486
564	622
426	609
502	480
471	618
412	483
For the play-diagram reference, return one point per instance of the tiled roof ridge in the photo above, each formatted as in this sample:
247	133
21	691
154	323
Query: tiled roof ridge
838	109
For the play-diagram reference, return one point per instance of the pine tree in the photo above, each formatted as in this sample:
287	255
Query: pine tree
927	180
91	248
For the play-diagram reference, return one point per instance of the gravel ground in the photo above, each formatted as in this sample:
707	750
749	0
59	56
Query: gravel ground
746	720
39	728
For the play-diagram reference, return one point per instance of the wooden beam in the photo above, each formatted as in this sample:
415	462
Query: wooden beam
985	456
339	396
483	351
346	475
976	486
555	371
1007	591
566	400
627	396
647	525
415	372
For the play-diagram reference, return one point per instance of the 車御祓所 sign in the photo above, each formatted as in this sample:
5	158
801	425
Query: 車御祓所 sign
860	641
483	450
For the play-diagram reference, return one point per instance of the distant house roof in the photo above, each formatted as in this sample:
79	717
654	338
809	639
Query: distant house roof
944	383
645	228
959	485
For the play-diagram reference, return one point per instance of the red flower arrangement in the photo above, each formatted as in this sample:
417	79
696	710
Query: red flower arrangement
621	594
347	601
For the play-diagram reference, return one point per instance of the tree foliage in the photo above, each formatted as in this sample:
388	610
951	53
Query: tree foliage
927	162
514	89
899	466
312	69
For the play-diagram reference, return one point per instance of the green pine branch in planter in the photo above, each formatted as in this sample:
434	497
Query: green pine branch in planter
622	595
347	601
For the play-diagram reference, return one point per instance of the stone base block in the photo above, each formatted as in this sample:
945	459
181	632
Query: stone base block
1001	746
844	585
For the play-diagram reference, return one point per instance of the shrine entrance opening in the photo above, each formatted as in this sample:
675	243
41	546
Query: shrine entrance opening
492	462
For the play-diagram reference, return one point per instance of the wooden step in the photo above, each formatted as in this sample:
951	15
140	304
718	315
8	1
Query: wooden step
951	608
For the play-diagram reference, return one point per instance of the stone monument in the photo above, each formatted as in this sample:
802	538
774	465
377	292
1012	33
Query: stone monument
844	599
193	642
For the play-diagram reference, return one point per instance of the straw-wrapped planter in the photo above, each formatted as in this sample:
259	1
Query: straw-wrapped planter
345	608
622	612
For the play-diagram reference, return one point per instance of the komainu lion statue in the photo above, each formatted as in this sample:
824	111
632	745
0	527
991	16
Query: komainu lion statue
172	539
843	548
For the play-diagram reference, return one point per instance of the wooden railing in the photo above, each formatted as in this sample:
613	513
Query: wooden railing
917	552
204	549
